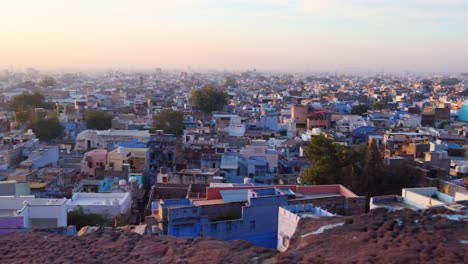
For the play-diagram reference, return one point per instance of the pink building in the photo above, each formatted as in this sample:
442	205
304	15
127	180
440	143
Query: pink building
260	148
93	159
299	113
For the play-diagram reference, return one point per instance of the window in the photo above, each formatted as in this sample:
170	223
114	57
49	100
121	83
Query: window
252	224
285	241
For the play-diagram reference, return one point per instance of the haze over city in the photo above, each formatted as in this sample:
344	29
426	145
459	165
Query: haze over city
307	36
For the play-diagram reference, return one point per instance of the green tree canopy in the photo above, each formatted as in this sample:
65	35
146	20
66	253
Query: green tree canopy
379	106
23	105
449	81
172	122
359	168
47	129
230	82
209	98
47	81
328	159
359	109
80	218
98	120
28	101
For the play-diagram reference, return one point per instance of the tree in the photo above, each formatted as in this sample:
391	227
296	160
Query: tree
361	169
170	121
98	120
28	101
328	160
47	129
23	104
209	98
379	106
449	81
47	81
374	171
230	82
359	109
80	218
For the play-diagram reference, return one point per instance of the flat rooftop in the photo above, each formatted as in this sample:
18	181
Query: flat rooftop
208	202
98	198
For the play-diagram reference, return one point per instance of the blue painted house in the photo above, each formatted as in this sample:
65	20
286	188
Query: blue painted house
258	221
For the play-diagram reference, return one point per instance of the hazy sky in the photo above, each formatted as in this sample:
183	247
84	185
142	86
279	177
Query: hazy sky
302	35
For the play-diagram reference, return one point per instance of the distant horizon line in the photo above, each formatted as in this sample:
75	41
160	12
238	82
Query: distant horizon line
146	69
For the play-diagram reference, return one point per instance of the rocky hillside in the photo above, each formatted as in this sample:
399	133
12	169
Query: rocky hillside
381	237
378	237
115	247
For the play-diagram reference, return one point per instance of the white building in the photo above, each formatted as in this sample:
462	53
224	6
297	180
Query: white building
36	212
101	139
113	204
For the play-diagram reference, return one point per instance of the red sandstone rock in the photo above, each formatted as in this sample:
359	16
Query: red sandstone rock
378	237
381	237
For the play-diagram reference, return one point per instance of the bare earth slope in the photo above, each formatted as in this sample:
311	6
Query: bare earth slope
382	237
378	237
113	247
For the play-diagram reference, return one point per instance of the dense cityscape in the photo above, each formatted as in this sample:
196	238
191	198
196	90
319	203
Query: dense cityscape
234	132
237	156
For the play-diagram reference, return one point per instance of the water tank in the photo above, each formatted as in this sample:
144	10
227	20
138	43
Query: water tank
463	112
316	131
122	182
246	180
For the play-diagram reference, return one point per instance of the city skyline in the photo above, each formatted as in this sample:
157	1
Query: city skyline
306	36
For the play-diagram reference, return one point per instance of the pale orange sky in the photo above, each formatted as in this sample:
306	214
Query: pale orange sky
351	35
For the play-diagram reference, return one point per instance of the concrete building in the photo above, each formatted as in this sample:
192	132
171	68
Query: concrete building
13	188
421	199
93	159
41	156
30	212
259	148
256	222
102	139
289	218
112	204
197	176
335	198
162	151
129	159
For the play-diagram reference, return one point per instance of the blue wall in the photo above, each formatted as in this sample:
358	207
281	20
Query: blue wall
258	224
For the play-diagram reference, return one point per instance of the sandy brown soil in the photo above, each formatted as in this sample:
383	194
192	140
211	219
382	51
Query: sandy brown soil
378	237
